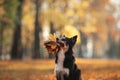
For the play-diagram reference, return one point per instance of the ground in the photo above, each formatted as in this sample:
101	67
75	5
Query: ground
92	69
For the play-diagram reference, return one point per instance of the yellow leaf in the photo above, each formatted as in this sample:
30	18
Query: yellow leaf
52	37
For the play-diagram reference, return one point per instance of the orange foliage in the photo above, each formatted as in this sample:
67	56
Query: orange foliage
52	77
92	69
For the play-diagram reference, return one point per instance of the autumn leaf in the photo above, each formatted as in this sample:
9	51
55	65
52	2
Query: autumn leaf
52	37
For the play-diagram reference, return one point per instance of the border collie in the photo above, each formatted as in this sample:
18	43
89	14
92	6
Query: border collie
65	68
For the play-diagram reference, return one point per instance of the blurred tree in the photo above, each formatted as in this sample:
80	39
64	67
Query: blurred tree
7	15
93	25
114	31
1	30
1	38
36	53
28	20
86	16
4	23
16	51
52	31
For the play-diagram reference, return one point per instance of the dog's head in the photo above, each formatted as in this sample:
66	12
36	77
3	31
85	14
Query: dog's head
66	42
63	42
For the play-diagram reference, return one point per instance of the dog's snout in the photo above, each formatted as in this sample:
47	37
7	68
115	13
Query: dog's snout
61	43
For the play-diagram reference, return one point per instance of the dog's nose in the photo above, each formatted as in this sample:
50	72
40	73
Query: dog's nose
61	43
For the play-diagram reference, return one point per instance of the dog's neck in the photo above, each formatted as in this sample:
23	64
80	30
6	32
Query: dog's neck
60	56
69	52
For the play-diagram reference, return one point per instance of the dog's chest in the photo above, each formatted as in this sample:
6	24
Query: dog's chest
60	59
60	63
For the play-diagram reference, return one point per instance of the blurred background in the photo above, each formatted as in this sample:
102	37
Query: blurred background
26	24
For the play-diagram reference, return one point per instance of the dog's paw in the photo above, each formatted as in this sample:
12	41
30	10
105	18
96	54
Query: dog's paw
66	71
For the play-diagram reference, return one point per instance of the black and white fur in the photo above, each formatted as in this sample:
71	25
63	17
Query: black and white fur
65	68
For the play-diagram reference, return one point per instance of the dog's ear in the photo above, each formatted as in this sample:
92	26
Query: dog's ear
73	39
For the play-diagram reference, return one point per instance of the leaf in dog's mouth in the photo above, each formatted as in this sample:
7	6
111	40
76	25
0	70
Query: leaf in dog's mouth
51	46
52	37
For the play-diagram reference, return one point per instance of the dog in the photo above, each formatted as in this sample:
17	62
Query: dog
65	68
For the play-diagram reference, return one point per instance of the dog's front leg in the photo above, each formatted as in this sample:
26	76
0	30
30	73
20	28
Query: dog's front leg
66	71
59	74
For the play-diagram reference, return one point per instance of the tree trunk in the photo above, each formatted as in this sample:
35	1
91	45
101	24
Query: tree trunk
83	44
16	51
52	31
1	40
36	53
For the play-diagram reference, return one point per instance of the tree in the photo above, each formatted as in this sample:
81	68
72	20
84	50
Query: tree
7	15
16	51
1	39
36	53
3	25
52	31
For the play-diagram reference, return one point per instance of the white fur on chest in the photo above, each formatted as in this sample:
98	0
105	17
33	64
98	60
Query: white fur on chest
59	66
61	57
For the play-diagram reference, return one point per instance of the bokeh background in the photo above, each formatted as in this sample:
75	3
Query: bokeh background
26	24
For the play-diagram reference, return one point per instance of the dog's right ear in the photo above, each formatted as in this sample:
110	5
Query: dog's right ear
73	39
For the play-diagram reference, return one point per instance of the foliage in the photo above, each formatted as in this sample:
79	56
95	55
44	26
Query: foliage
11	9
43	69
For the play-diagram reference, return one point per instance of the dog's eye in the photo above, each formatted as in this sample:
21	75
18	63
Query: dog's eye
62	44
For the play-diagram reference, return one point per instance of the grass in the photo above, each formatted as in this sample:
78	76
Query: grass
92	69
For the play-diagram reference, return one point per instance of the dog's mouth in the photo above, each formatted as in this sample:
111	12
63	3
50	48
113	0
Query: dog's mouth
54	47
61	43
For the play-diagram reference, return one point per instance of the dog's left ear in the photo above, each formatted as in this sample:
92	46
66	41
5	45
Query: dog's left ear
73	39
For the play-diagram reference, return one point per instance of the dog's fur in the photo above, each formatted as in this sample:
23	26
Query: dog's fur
65	68
65	61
